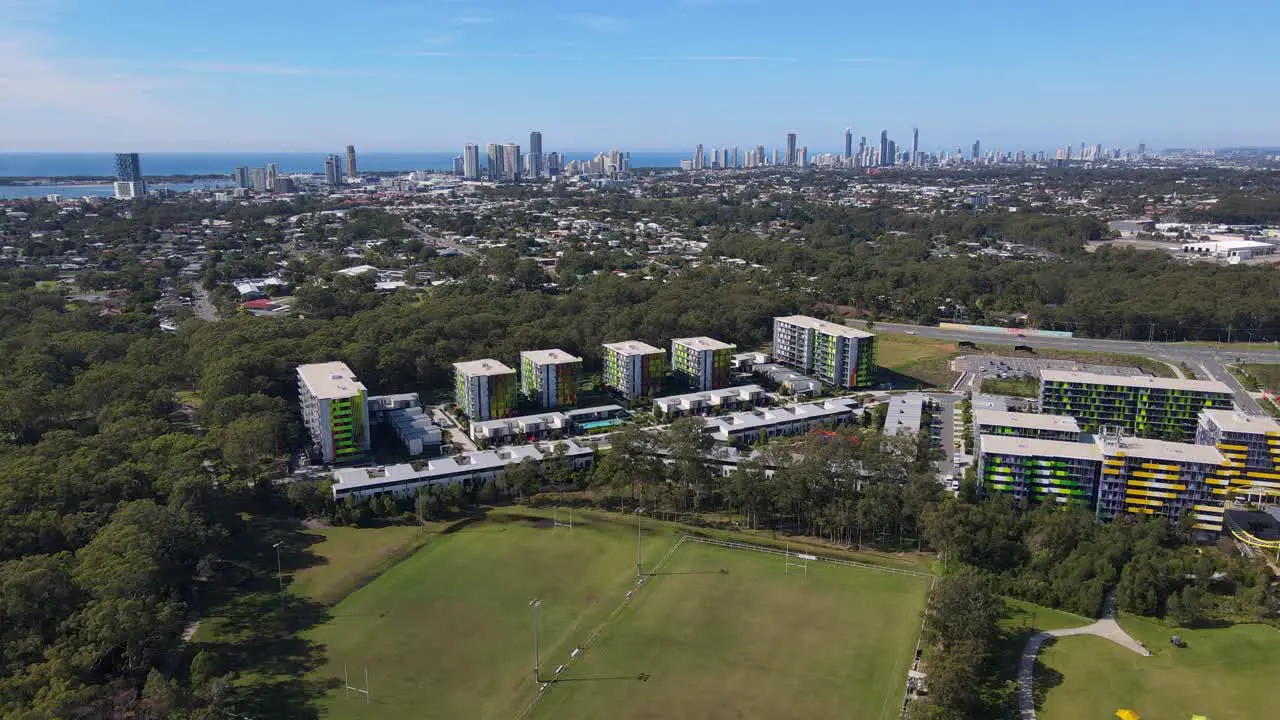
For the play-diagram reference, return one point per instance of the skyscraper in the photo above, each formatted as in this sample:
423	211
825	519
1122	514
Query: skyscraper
977	150
884	147
129	169
535	154
893	154
802	156
915	146
272	175
735	157
258	180
848	144
791	148
351	162
471	161
698	160
332	169
241	176
512	167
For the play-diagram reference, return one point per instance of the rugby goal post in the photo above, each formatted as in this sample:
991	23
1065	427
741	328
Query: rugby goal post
798	561
562	517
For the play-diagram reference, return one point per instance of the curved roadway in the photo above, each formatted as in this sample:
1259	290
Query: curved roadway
1208	361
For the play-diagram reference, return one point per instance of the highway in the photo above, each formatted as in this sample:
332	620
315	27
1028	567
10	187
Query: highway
440	242
1207	361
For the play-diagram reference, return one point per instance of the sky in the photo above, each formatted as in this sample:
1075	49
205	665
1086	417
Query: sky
431	75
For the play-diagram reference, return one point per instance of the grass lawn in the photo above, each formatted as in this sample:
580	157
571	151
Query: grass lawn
446	633
351	556
1222	673
1260	375
1029	615
1027	387
723	633
908	361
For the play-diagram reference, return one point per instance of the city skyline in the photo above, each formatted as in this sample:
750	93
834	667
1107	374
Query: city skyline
1001	74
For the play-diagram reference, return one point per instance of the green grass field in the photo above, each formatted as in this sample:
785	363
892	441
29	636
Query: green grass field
1223	673
447	633
352	556
723	633
1027	387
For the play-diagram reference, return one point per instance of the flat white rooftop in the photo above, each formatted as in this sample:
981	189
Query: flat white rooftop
488	366
1030	421
330	381
769	417
703	343
1163	450
823	326
549	357
1236	421
443	469
1033	447
1137	381
633	347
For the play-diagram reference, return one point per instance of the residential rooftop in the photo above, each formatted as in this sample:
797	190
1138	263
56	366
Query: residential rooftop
823	326
1034	447
1029	421
1137	381
633	347
703	343
1148	449
330	380
1236	421
549	357
487	366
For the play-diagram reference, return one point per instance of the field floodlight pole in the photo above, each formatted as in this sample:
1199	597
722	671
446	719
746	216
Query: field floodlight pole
639	514
537	674
279	571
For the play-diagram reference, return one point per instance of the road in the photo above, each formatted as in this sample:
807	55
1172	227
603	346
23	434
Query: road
440	242
203	305
1207	361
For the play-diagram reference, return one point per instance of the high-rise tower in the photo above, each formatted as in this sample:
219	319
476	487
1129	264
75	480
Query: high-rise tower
884	147
471	161
351	162
791	148
129	169
332	170
915	146
848	144
535	154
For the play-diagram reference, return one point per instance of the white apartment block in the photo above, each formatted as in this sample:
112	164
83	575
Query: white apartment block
838	355
334	408
550	377
484	389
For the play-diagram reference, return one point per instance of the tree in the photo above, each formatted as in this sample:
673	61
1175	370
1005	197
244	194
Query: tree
1186	608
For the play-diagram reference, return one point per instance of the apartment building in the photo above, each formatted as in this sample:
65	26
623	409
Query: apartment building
1165	408
484	389
634	369
550	377
1157	477
473	467
702	403
334	409
1250	443
1039	469
837	355
1026	425
701	362
749	427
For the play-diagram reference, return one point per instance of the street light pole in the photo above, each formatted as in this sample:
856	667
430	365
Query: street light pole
279	570
537	675
639	511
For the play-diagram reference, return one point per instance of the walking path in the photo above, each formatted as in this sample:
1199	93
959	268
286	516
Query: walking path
1107	627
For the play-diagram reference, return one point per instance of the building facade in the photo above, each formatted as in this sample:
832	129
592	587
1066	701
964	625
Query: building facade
129	169
1251	444
535	154
634	369
702	363
1026	425
550	377
471	161
1154	477
333	406
1164	408
1032	469
484	389
838	355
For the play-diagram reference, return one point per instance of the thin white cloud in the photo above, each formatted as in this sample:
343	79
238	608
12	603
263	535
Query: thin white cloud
268	69
598	23
716	58
440	39
471	18
860	60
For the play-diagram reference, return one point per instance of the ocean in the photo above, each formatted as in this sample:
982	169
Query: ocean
38	164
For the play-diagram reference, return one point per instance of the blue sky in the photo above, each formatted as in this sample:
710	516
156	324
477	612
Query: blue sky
160	75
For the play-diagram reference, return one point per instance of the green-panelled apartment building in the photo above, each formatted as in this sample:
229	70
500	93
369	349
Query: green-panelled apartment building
838	355
334	408
1151	407
702	363
484	389
550	377
634	369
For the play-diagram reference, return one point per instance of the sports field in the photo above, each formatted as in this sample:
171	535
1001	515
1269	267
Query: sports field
1222	673
448	632
721	633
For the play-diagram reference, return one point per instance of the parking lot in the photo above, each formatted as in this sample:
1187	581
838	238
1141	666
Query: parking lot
978	367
